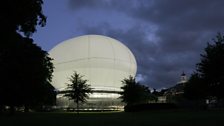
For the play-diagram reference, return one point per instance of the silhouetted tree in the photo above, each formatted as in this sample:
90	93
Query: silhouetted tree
211	68
195	89
78	90
135	93
21	16
208	80
26	72
158	93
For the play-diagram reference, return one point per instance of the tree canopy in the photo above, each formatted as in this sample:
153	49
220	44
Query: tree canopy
208	80
26	69
78	90
26	72
135	93
195	89
21	16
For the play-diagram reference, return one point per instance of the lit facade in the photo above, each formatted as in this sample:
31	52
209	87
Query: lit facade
103	61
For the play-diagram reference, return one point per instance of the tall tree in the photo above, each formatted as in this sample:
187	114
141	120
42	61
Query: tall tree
26	69
78	90
195	89
208	80
211	68
26	72
135	93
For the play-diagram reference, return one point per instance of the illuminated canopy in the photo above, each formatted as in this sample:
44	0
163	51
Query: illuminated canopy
103	61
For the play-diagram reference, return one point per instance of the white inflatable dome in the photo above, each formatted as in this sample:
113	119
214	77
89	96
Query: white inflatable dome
103	61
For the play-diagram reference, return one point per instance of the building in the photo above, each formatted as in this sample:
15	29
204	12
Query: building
183	78
103	61
168	95
179	87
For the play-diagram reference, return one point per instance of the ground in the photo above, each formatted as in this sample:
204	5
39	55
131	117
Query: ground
152	118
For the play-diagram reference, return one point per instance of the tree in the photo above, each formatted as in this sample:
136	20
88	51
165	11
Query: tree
135	93
26	70
211	68
195	89
26	73
208	80
78	90
21	16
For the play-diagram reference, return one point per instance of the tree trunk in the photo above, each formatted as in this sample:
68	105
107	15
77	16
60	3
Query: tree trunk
12	110
77	103
1	109
26	109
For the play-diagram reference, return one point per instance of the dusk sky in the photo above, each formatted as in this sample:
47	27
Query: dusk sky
166	36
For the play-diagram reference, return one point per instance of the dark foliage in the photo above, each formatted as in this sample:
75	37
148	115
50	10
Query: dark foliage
195	89
135	93
26	72
211	68
78	90
152	106
208	80
21	15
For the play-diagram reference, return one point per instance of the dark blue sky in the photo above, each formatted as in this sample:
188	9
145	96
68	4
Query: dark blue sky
166	36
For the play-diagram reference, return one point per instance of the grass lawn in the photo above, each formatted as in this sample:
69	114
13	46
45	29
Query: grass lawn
150	118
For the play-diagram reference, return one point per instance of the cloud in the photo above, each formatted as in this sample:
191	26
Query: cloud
99	4
153	63
140	78
165	36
